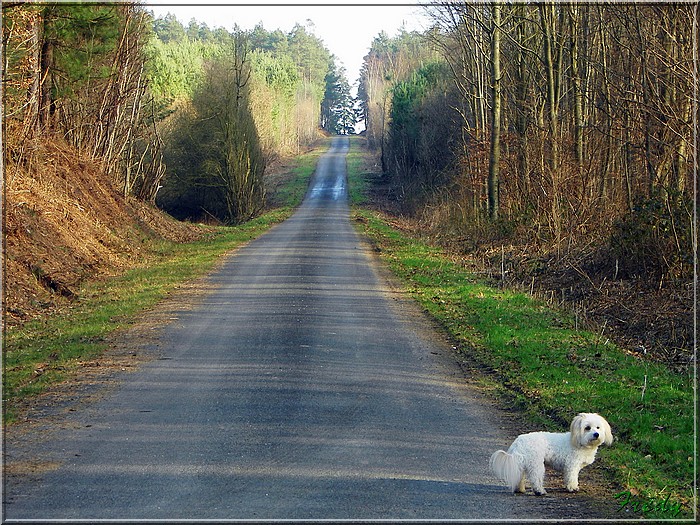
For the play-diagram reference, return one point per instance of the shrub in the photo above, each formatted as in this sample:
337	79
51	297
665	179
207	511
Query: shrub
655	239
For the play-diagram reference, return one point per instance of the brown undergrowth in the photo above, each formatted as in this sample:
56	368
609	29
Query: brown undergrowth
642	315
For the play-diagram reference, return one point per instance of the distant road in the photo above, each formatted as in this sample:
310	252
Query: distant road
297	388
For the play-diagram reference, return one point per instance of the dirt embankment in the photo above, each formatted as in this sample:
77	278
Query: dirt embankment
64	222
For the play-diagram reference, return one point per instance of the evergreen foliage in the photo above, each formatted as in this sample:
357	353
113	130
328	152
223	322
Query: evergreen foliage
168	29
75	72
134	91
337	110
416	148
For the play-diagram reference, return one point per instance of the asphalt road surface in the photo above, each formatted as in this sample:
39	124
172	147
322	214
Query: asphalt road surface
297	388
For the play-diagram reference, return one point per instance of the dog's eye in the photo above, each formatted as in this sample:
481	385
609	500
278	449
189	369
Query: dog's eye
588	427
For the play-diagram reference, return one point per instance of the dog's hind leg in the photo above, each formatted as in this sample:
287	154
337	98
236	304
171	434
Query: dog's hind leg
521	485
535	474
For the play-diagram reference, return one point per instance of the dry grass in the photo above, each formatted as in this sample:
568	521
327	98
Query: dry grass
64	222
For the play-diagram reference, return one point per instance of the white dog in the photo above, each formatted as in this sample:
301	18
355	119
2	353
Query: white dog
566	452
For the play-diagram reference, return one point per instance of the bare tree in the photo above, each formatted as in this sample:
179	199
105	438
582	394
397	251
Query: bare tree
495	153
234	163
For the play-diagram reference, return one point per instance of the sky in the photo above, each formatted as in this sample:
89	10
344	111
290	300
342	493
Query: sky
347	30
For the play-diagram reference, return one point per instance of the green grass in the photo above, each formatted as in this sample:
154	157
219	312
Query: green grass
357	178
41	353
539	362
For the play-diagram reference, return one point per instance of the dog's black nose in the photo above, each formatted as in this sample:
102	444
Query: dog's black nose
595	435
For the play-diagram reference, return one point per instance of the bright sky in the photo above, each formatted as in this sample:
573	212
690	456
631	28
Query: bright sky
347	30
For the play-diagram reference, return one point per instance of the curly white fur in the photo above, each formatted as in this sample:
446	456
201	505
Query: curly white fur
566	452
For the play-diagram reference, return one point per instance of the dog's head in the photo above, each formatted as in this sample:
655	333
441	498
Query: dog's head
590	430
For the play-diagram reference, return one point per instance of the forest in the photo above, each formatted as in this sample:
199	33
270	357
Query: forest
550	137
541	125
187	118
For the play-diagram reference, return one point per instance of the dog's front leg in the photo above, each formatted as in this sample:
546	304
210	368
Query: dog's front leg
571	478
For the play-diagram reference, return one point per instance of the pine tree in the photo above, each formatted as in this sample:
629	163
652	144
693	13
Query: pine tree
338	108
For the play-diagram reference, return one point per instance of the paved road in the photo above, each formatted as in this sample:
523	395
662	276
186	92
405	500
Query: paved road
296	389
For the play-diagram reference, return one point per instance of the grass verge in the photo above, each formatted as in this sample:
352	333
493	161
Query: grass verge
358	178
296	183
42	353
541	363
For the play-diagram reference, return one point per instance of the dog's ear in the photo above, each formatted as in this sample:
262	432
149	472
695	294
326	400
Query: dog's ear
608	431
575	429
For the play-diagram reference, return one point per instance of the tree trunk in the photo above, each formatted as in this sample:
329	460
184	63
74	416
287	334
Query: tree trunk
552	71
575	24
31	122
547	22
495	153
46	101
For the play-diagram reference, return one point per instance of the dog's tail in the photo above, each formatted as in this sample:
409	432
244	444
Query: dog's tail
506	467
